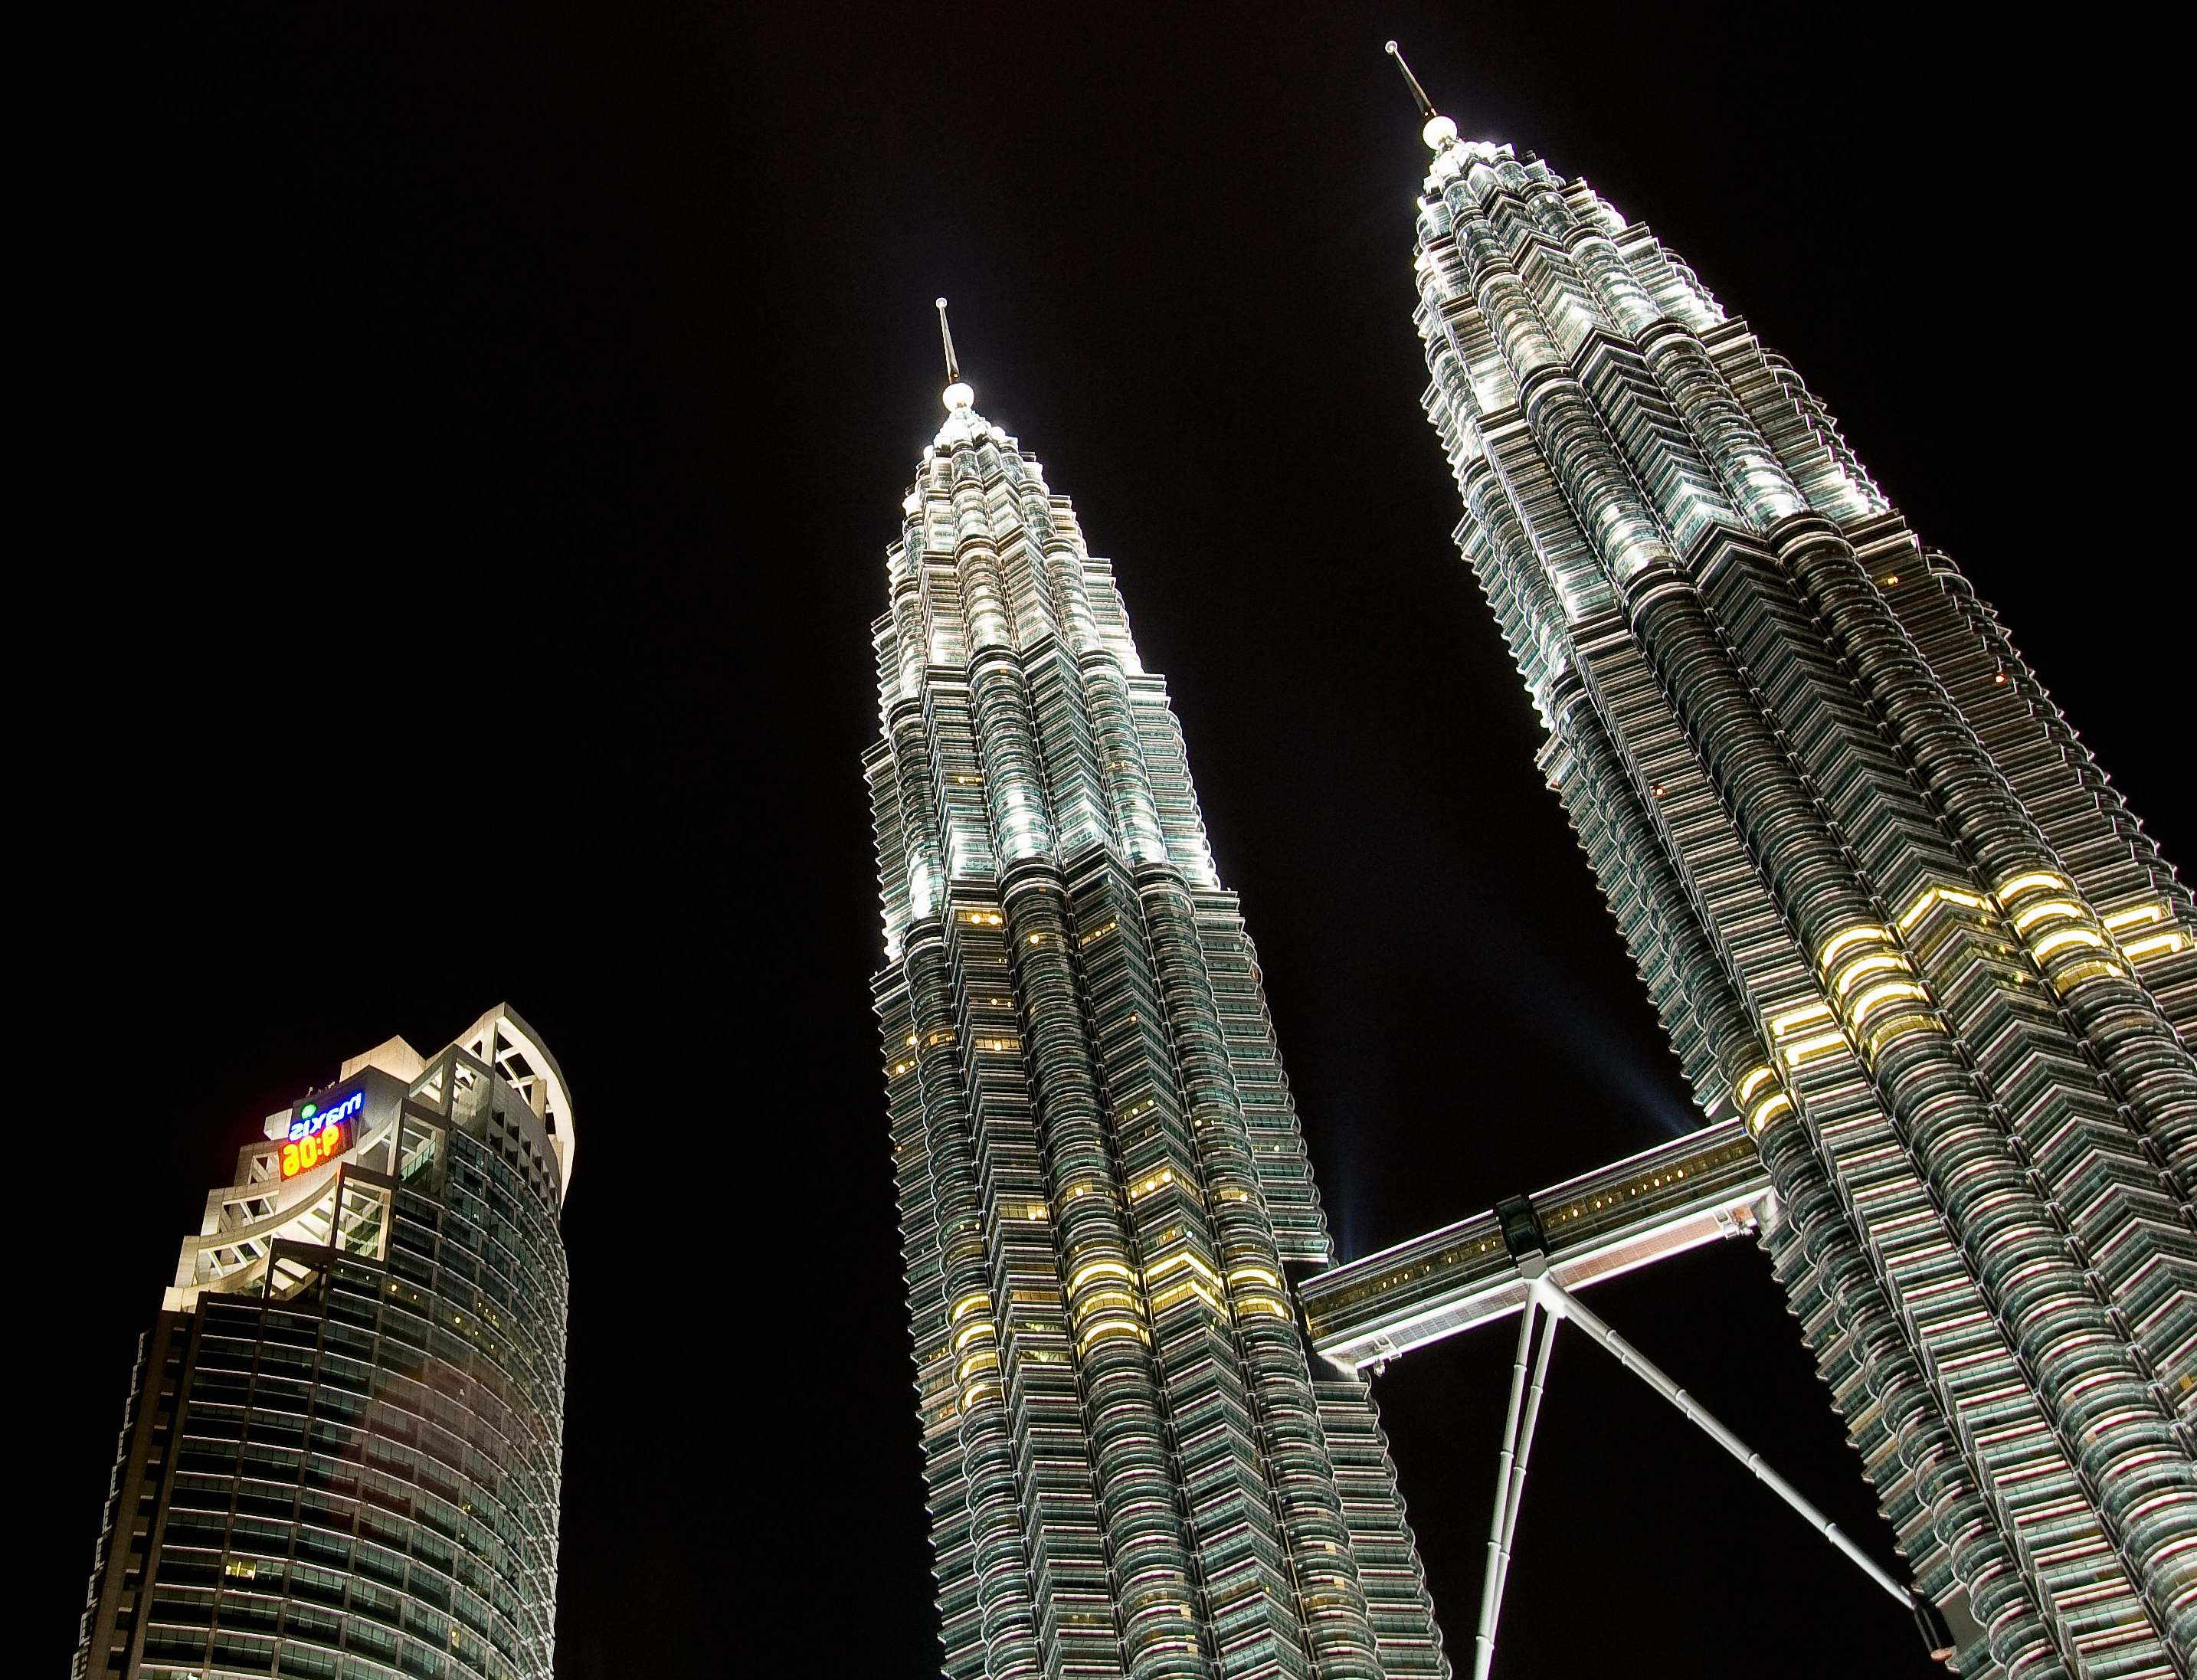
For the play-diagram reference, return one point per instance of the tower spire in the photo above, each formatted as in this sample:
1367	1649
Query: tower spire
946	334
957	394
1426	105
1438	132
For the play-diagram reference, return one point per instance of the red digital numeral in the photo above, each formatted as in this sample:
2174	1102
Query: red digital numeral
309	1152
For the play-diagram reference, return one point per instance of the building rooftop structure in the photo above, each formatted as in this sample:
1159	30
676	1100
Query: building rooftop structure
343	1443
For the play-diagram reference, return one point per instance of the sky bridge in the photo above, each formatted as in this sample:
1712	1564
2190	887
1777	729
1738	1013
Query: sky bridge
1704	1186
1526	1255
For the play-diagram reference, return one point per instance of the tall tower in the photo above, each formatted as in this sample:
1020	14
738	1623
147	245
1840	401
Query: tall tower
1133	1469
342	1447
1890	911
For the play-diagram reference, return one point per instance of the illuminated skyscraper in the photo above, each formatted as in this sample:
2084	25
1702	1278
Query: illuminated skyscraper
1892	915
1133	1468
342	1447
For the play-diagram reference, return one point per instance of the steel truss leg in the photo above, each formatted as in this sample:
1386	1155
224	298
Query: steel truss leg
1518	1465
1518	1421
1549	1304
1560	1303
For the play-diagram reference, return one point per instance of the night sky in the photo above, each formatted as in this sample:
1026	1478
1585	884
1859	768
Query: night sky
492	421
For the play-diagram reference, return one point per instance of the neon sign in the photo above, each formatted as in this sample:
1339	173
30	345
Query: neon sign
317	1133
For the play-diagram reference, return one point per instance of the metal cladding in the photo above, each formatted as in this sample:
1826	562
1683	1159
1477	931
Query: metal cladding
1134	1467
1892	915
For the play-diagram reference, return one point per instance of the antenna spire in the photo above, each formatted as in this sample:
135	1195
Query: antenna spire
1426	105
946	334
956	396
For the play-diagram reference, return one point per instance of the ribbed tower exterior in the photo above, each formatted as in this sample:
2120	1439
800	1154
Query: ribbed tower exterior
1133	1468
1888	907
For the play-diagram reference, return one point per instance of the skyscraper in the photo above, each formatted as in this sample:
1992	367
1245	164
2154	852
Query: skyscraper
1890	912
1133	1469
342	1446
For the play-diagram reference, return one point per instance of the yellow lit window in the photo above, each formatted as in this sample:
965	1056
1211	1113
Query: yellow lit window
1103	1268
1899	1027
2036	880
1935	895
2060	938
1188	1288
2097	968
2052	909
1791	1021
1878	995
1862	934
2154	945
1873	962
1811	1049
1767	1110
2135	916
1110	1327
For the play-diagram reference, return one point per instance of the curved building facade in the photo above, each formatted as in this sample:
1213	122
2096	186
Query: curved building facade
1892	915
341	1453
1133	1467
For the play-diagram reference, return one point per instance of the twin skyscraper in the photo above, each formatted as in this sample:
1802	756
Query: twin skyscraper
1914	956
1896	923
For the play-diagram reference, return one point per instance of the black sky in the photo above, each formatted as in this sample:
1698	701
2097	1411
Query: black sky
482	427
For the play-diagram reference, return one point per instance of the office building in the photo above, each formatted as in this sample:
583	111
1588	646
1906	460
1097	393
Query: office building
341	1450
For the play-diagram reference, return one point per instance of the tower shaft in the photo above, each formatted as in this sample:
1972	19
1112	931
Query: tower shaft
1133	1468
1889	910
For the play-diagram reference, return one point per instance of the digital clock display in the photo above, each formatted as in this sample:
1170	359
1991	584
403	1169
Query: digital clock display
318	1135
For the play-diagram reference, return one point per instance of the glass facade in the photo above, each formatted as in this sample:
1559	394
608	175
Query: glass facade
1892	916
340	1456
1133	1467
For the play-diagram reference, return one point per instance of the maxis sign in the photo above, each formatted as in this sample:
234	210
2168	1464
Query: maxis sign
317	1133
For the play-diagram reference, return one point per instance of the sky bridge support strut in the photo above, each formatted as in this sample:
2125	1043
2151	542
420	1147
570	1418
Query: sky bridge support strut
1548	1304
